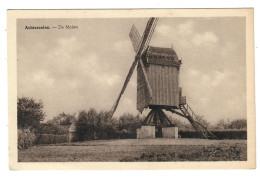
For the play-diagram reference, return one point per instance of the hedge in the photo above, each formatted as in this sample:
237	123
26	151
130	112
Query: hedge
221	134
51	139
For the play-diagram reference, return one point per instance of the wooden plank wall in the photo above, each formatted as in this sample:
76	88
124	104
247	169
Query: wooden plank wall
164	81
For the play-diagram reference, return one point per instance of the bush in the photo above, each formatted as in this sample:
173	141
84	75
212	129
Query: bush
25	138
51	139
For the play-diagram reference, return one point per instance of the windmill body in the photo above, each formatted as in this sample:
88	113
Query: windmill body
162	69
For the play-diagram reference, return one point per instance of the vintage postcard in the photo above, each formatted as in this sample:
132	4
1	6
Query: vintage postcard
131	89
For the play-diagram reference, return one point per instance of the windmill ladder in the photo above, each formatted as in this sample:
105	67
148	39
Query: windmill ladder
190	115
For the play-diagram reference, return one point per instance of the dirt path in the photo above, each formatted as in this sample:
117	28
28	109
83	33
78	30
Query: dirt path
138	150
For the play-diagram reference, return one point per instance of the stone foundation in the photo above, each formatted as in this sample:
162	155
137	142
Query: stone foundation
170	132
145	132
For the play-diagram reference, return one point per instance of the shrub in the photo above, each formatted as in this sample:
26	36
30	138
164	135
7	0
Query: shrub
25	138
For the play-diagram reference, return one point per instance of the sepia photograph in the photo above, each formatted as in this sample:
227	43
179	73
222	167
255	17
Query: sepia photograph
132	86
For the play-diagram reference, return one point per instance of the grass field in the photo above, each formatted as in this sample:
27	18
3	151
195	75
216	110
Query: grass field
138	150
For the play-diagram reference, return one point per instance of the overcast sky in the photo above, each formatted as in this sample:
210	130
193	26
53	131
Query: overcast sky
74	70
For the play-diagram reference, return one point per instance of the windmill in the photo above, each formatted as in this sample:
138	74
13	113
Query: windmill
158	82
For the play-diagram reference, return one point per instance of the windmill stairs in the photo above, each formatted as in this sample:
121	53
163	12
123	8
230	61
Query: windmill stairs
187	113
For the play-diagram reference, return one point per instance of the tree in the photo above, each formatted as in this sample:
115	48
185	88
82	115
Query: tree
235	124
107	126
202	121
221	124
86	124
181	124
29	113
63	119
238	124
96	125
128	124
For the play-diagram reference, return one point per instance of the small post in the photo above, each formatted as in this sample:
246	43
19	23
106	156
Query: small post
73	133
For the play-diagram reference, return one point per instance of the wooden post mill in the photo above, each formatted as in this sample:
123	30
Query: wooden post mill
158	87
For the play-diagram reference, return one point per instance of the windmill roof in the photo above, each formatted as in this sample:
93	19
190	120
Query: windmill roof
169	51
162	56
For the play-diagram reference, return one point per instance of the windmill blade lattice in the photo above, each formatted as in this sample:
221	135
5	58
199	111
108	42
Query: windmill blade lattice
135	38
146	38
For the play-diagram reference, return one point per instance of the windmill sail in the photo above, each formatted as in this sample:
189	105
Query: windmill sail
146	38
144	91
148	32
135	38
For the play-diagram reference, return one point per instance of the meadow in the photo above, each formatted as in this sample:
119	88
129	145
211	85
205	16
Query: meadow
132	150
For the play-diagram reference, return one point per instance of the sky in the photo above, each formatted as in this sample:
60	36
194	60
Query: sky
72	70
